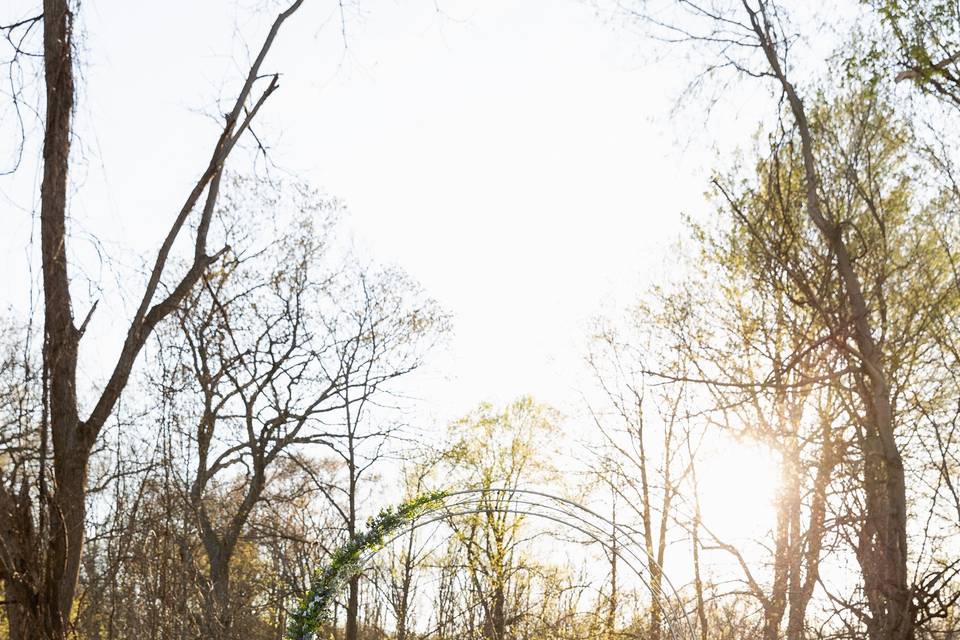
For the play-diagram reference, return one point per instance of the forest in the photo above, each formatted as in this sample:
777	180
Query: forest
212	434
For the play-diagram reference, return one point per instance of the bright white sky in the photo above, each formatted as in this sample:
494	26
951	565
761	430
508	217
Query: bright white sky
518	158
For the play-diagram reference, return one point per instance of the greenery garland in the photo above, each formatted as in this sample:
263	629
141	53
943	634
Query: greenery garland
315	606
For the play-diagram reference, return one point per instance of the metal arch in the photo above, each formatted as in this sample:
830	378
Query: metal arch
566	512
603	540
556	514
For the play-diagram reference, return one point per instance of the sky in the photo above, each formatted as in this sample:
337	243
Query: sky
522	160
518	159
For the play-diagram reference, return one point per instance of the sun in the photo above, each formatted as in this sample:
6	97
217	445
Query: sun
738	483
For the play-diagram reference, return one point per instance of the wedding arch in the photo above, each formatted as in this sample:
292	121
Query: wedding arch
315	606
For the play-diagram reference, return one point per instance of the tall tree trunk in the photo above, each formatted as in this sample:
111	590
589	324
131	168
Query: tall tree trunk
656	577
221	616
22	566
57	540
65	507
882	549
353	607
792	495
648	542
697	575
614	552
353	596
695	541
498	623
775	605
813	539
406	588
22	611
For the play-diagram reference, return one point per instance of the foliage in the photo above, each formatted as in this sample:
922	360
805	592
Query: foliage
346	562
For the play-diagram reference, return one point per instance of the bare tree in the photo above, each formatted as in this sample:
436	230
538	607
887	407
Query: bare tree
643	434
497	452
54	522
400	573
276	346
883	544
855	219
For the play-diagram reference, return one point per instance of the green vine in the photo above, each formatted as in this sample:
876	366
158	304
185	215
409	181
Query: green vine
315	606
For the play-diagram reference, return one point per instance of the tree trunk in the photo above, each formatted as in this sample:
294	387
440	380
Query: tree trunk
406	587
22	612
614	553
775	605
498	621
219	617
65	507
800	599
697	577
351	629
57	540
882	549
353	608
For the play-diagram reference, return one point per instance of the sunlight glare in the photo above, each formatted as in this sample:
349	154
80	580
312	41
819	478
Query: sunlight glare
738	487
